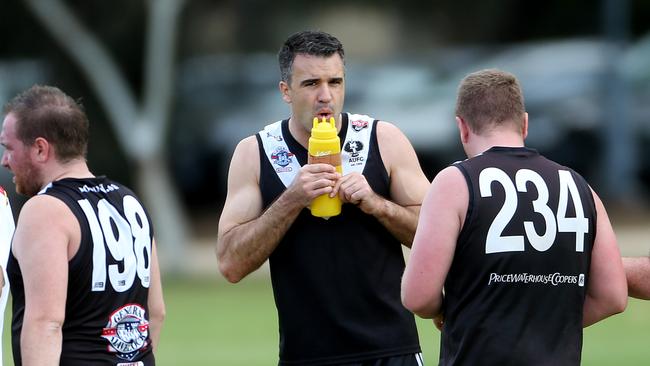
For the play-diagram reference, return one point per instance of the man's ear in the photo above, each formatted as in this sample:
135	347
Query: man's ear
41	150
284	89
463	129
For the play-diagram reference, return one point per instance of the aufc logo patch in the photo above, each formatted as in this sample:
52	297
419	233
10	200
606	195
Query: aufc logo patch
354	148
127	331
283	158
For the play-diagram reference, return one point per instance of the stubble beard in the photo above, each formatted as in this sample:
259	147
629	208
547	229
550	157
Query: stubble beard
29	183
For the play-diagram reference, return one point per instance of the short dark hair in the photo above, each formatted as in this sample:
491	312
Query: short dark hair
488	98
313	43
47	112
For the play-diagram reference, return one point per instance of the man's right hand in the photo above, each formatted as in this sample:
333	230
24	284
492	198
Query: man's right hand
312	181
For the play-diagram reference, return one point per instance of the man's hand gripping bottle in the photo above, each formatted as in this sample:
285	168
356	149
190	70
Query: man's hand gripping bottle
325	147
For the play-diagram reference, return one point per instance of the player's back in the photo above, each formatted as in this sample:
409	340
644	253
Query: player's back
515	291
106	316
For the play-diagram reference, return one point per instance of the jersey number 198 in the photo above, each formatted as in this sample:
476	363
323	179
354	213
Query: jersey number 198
128	241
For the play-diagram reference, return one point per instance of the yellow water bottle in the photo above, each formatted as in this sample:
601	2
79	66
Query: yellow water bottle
325	147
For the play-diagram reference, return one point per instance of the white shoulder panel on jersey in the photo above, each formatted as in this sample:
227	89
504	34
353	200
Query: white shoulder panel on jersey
282	160
354	152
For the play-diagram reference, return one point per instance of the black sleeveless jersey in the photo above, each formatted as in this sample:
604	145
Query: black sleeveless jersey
336	282
106	313
515	291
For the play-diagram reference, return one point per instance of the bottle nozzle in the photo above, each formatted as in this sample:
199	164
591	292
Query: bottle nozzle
332	122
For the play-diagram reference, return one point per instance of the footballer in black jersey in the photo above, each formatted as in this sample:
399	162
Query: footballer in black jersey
514	254
83	267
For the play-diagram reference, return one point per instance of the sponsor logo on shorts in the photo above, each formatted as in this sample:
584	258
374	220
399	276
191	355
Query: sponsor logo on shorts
127	332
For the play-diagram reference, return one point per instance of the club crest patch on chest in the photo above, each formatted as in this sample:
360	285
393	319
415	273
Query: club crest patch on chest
282	158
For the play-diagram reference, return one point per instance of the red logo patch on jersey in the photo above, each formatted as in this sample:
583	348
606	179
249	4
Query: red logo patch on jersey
359	125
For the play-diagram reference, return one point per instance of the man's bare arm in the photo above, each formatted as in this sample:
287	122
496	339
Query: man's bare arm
40	245
607	287
637	271
440	222
156	303
247	236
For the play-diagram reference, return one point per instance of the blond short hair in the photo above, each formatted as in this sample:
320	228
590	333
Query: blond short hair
490	98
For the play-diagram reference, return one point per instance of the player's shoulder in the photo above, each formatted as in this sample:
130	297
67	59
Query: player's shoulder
249	140
450	176
386	126
245	161
44	209
388	131
247	147
43	202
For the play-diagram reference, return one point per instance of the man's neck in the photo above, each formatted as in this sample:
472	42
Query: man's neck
486	143
298	132
77	168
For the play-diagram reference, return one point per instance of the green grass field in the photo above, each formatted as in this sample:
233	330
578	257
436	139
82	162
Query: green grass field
210	322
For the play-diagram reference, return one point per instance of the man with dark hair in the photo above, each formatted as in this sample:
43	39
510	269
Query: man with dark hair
521	245
336	281
83	268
